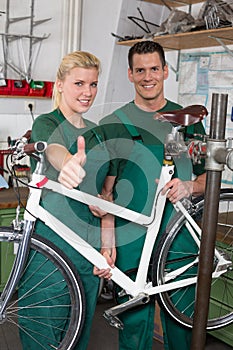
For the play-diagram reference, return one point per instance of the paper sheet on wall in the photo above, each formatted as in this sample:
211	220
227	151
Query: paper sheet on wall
200	75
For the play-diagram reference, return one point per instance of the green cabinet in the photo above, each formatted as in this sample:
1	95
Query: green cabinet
225	334
6	216
7	254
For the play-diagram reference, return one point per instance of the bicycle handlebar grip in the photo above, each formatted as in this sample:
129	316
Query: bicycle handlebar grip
39	146
27	135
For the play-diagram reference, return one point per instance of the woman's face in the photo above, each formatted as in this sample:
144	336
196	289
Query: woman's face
78	90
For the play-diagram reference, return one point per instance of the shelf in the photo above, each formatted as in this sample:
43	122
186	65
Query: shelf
173	3
26	97
191	40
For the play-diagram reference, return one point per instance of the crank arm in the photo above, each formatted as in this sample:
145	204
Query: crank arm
111	314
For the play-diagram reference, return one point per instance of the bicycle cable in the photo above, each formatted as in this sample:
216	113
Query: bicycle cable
11	171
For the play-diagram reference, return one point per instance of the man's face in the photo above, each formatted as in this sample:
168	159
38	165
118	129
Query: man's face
148	76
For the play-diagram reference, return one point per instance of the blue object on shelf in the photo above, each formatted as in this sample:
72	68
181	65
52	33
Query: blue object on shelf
3	183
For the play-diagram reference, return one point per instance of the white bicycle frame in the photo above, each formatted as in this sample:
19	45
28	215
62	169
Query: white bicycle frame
152	222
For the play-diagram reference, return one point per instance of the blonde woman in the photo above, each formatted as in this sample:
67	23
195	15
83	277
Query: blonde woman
75	157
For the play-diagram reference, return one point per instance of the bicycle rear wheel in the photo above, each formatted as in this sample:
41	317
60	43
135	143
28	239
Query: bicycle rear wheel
31	312
177	249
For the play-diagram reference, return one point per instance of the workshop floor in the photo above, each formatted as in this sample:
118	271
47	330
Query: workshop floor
103	337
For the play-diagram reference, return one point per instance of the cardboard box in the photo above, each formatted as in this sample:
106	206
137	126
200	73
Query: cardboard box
158	329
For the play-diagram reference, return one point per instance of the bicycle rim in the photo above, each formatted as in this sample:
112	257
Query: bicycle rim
47	310
176	249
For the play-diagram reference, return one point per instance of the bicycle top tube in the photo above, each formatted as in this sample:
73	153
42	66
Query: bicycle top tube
112	208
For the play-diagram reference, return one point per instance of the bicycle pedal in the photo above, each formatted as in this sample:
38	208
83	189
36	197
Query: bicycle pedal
113	321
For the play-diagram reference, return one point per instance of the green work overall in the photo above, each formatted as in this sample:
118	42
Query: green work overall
78	217
137	184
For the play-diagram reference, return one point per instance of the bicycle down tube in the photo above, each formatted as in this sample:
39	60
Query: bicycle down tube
90	253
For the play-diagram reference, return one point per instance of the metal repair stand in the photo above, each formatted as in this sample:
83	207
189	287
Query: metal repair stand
217	156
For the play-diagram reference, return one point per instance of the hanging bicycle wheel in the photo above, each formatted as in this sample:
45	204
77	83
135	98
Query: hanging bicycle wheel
48	307
177	250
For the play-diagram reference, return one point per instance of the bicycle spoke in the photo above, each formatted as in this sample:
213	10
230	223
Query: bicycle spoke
47	308
175	260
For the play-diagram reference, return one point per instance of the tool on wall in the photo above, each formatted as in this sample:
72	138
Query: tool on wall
2	78
25	44
137	21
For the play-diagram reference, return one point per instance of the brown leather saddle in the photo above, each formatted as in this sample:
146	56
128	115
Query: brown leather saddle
185	116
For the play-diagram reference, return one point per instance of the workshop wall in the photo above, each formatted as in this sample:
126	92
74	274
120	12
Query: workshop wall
91	32
86	25
15	118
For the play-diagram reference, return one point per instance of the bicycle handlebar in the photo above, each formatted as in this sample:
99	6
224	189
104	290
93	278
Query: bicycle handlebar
39	147
23	148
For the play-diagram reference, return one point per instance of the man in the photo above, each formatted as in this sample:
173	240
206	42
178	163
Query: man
135	142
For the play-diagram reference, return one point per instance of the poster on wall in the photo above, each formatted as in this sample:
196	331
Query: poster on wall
200	75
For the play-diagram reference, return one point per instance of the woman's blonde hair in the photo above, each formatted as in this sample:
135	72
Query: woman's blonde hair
75	59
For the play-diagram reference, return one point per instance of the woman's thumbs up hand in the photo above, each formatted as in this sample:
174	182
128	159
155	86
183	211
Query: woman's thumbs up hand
72	172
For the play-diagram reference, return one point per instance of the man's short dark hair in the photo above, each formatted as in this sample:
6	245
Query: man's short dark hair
143	47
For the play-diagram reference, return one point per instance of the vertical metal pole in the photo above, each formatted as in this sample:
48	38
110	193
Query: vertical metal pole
5	39
29	72
213	184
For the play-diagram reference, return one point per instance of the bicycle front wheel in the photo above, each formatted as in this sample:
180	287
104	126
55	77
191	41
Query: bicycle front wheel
48	307
177	249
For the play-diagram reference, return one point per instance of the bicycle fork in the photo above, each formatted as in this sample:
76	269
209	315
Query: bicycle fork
17	269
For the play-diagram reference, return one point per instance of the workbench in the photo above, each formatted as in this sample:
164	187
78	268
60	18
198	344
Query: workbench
8	197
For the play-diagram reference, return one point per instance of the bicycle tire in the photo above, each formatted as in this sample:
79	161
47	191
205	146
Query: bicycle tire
179	303
67	279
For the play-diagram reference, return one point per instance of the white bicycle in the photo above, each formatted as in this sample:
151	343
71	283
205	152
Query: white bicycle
174	270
